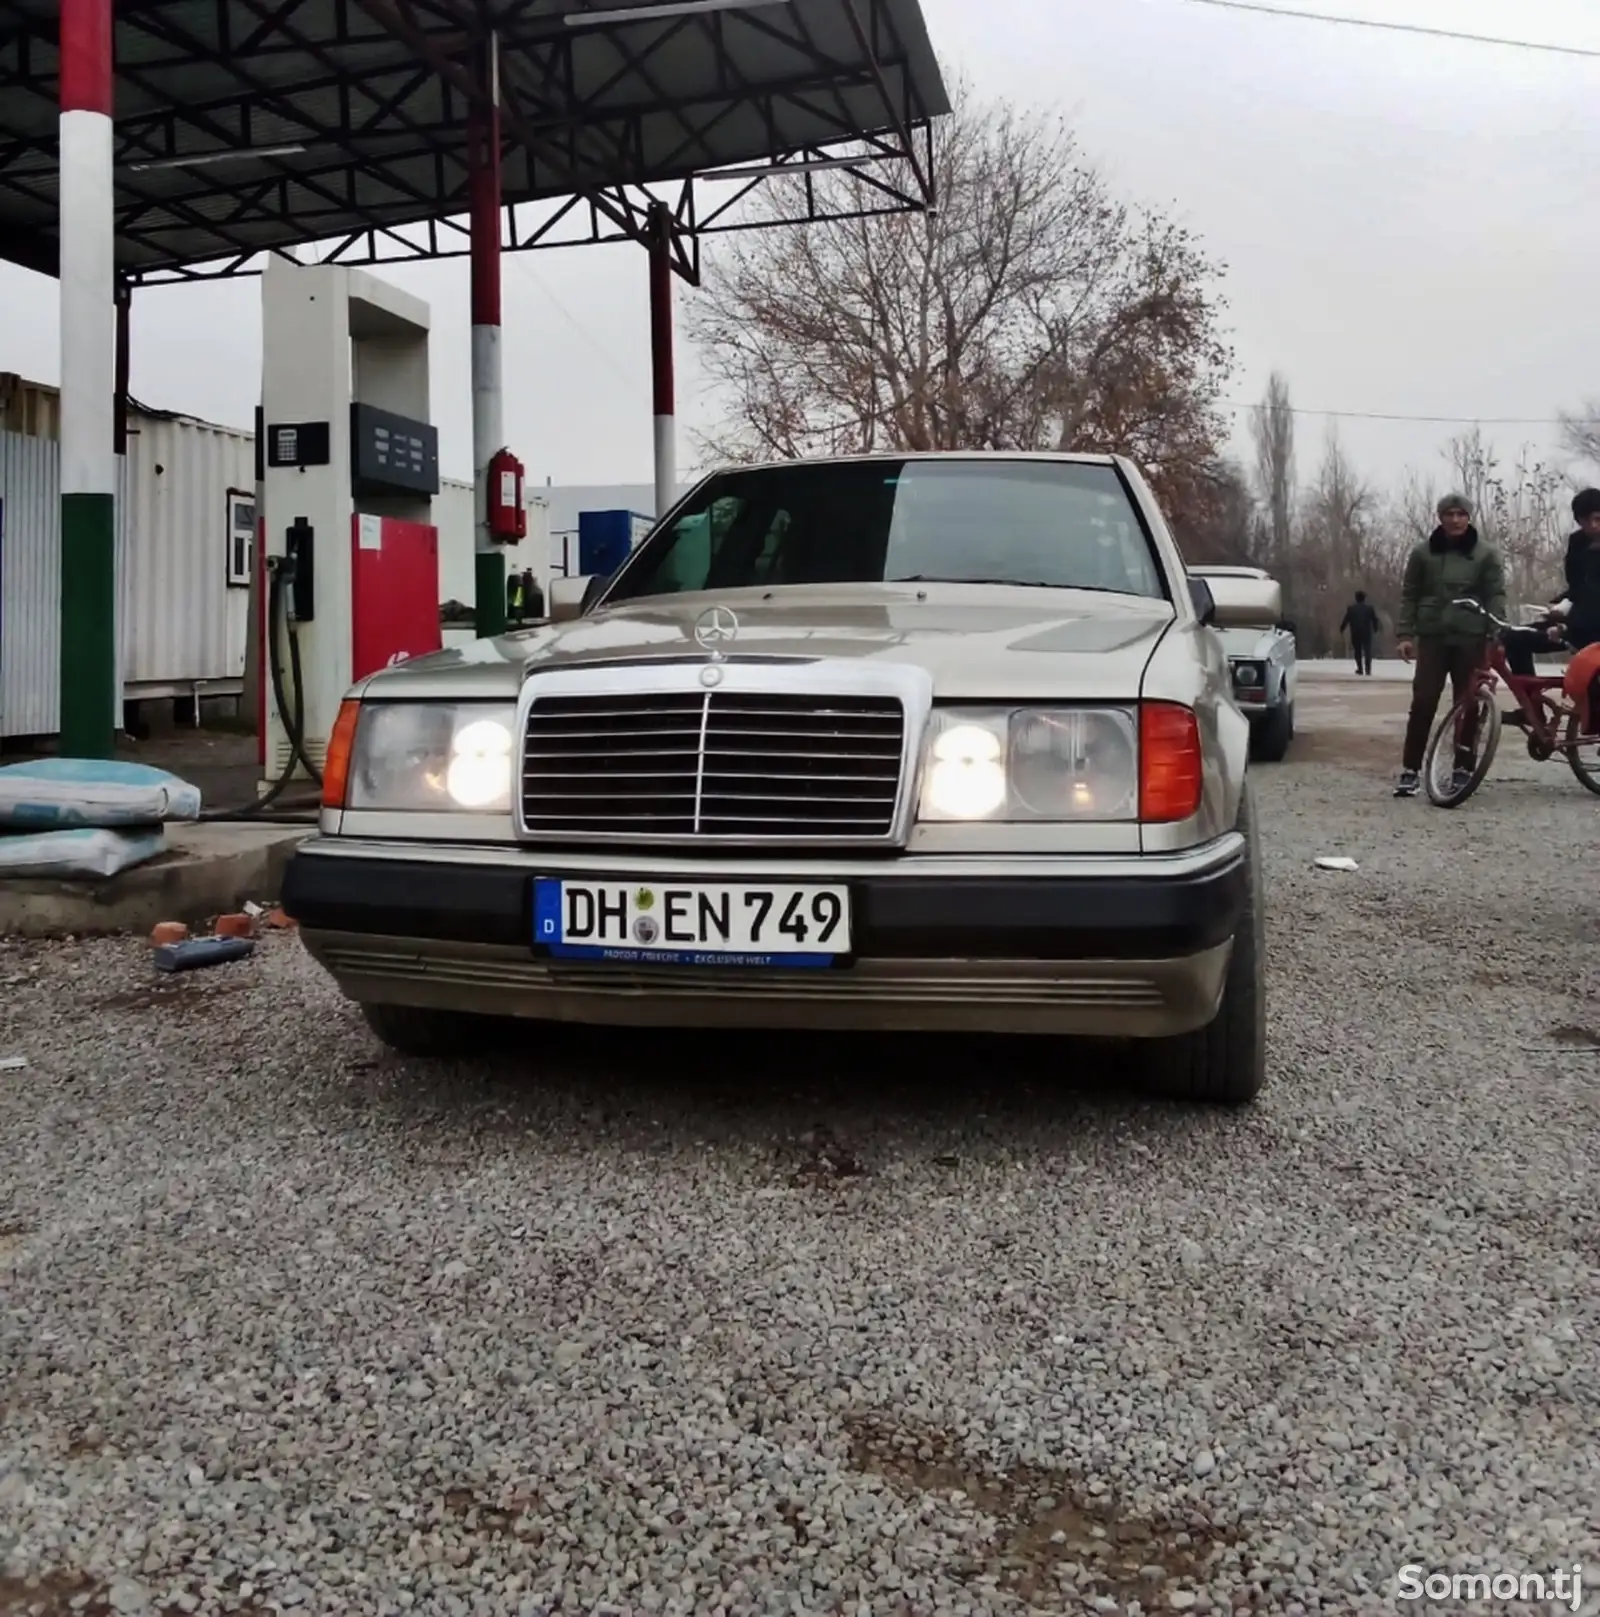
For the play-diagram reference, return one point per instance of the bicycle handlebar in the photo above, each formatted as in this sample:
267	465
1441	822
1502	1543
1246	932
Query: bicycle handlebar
1499	623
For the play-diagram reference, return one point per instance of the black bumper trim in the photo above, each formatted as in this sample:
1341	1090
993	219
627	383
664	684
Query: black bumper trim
1156	917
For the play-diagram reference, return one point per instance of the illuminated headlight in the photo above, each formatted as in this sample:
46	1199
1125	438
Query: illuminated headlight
439	757
1249	676
1030	764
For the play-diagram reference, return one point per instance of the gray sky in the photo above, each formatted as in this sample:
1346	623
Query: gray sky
1401	218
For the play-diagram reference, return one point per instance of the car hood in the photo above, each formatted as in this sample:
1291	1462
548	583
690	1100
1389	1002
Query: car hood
979	642
1248	642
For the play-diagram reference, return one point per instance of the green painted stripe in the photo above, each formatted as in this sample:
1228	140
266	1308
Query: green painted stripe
490	614
88	625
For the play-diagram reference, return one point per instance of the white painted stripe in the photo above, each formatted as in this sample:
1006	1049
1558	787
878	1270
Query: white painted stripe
487	429
88	310
666	462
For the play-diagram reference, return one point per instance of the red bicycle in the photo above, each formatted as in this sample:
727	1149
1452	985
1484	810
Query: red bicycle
1464	741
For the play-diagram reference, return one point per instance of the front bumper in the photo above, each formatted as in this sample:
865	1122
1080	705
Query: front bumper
1134	946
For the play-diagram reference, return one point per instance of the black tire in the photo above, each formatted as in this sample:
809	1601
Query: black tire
1269	740
1225	1062
1586	769
1444	734
415	1030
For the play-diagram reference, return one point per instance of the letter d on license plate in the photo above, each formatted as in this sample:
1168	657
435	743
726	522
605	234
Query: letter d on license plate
691	923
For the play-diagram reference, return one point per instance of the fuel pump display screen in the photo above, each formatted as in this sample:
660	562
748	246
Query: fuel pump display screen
390	451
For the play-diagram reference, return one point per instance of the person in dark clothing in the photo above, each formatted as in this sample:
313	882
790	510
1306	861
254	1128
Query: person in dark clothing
1448	641
1581	597
1361	619
1578	604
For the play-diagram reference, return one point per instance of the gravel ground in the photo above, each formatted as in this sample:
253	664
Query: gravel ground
704	1326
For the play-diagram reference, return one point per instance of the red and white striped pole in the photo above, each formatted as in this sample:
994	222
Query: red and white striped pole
88	677
666	421
489	572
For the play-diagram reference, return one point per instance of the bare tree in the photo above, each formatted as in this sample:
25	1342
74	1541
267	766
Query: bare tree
1518	509
1218	522
1580	434
1334	548
1272	428
1415	508
1030	310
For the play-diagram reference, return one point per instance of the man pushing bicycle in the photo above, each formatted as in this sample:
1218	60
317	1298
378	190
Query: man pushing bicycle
1446	640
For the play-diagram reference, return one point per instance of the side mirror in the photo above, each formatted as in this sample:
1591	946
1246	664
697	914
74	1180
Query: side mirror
592	594
1205	605
568	598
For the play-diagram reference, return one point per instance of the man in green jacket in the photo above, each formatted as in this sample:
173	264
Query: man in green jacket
1446	640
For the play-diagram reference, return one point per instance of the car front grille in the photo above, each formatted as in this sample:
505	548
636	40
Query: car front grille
719	764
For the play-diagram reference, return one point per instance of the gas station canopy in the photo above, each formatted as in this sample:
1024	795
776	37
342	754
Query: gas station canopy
247	126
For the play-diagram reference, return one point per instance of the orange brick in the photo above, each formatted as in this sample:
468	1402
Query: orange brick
278	921
166	932
235	926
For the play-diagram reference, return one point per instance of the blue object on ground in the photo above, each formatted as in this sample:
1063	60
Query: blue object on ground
78	855
48	794
196	952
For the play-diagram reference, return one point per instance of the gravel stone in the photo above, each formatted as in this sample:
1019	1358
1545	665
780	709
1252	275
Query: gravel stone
677	1324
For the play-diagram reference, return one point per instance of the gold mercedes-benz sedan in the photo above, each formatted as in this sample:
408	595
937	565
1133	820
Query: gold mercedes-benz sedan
895	742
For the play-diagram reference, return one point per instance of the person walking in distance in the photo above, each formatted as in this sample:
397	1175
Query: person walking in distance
1361	619
1447	641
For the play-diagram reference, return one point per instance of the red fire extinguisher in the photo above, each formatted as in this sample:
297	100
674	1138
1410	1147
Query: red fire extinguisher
508	516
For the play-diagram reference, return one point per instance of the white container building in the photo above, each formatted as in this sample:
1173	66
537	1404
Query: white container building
185	549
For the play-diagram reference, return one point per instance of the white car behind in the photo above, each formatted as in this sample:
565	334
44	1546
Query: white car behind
1260	648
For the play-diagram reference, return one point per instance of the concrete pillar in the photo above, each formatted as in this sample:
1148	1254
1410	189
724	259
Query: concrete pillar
488	431
666	415
88	670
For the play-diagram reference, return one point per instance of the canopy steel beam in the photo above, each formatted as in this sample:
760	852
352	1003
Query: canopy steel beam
247	127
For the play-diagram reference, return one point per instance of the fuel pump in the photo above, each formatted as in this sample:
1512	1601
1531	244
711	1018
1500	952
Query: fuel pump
348	466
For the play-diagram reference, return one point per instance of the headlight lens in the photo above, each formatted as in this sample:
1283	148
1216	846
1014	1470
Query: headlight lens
966	772
1249	675
438	757
1031	764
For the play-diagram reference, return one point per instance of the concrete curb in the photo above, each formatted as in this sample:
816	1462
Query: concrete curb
207	870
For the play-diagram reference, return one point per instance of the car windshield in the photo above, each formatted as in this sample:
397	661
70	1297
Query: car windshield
1054	524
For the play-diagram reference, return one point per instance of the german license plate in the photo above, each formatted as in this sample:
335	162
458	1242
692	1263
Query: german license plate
691	923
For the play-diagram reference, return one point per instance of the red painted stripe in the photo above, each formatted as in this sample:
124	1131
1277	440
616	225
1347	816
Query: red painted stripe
263	667
483	147
661	323
86	76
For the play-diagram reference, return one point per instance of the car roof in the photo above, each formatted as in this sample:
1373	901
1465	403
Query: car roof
1072	459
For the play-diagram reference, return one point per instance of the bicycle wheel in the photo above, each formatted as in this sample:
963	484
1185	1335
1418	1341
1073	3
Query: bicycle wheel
1585	760
1451	772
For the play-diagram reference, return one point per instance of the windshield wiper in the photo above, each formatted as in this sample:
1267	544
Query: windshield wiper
934	578
1015	583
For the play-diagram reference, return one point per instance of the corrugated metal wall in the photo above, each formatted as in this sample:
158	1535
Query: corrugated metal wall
30	582
185	622
31	408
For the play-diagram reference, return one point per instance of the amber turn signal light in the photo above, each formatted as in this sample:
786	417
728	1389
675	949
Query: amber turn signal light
1171	769
336	763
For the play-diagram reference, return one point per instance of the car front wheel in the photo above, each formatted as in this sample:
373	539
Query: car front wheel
1271	736
1225	1062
